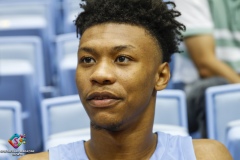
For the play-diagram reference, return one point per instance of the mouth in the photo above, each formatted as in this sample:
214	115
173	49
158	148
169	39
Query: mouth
103	99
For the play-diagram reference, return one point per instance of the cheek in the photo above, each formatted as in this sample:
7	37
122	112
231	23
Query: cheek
80	81
140	83
77	79
139	93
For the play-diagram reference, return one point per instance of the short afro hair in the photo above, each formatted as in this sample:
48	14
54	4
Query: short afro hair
156	16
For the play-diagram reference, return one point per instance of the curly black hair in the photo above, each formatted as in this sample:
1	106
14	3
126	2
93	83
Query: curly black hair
156	16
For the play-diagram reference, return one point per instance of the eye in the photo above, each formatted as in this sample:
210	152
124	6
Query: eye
122	59
87	60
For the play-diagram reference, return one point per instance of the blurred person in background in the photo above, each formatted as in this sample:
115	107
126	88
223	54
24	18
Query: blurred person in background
211	55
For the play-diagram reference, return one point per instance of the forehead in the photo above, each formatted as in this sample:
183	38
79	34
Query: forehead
108	34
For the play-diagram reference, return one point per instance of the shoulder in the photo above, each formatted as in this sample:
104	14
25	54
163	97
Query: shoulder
36	156
206	149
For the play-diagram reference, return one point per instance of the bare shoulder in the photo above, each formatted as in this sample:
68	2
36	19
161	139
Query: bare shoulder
206	149
36	156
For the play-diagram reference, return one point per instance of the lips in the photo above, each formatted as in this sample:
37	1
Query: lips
103	99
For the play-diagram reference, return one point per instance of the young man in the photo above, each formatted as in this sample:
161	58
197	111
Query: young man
123	60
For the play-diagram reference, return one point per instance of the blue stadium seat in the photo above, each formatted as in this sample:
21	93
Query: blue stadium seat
233	138
10	124
24	18
66	51
62	114
10	121
222	106
27	50
21	76
171	108
20	88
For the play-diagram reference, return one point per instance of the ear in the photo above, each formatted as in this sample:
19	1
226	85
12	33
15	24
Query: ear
162	76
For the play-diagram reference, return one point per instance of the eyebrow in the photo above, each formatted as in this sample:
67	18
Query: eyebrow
114	49
122	47
87	49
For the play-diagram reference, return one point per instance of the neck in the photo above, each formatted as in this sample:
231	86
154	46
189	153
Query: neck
121	145
135	141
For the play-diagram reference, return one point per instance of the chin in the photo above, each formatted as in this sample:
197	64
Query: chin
111	127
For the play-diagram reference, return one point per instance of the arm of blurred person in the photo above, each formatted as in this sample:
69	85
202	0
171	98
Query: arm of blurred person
201	50
199	41
36	156
206	149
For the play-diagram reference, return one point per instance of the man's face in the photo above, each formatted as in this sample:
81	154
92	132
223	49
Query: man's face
118	68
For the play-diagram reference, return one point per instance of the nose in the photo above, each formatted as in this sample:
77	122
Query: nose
103	74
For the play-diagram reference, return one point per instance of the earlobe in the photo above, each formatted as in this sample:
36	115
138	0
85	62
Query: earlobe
162	76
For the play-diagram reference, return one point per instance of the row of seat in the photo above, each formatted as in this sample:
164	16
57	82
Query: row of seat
29	14
27	34
222	112
26	57
44	19
21	77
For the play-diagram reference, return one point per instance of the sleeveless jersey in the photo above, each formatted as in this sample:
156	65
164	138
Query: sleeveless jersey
169	147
